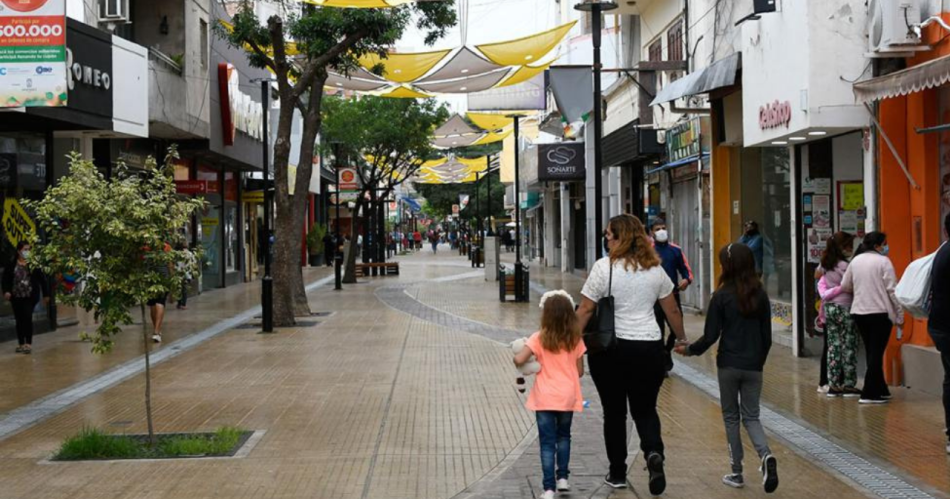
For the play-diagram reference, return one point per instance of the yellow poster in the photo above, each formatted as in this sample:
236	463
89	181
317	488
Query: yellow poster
253	197
17	224
852	196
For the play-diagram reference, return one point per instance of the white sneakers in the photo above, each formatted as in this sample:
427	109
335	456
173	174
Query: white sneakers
157	338
548	494
563	485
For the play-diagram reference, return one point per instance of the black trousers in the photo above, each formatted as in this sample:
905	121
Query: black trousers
23	314
875	331
630	374
942	342
662	321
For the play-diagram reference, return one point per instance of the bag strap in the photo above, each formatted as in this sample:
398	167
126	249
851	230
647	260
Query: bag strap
610	284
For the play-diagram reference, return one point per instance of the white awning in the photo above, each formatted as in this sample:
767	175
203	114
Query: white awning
719	74
904	82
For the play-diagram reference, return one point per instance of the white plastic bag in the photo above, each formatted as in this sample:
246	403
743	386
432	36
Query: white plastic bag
913	291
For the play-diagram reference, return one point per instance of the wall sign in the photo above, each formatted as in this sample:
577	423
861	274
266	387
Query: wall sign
32	53
191	187
774	115
682	140
348	179
238	110
562	161
17	224
89	59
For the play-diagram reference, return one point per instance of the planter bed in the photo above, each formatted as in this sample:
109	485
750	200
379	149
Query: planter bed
96	445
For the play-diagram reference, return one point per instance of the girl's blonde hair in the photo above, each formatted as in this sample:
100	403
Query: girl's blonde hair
559	324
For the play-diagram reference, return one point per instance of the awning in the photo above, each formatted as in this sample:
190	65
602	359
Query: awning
906	81
719	74
527	49
677	163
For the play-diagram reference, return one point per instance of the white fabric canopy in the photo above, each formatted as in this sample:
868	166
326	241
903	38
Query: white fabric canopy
463	64
456	125
465	85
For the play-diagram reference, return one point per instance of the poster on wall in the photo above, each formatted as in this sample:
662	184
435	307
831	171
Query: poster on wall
33	53
816	243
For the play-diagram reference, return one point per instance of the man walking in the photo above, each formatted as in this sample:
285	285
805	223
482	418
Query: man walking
675	264
938	323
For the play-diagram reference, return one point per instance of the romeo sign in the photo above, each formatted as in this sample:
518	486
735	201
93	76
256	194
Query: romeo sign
238	110
32	53
561	161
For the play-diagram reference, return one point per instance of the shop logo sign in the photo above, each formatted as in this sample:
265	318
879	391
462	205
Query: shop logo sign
564	161
238	110
87	75
775	115
17	224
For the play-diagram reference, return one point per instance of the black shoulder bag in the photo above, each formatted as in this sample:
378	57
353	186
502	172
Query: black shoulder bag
599	335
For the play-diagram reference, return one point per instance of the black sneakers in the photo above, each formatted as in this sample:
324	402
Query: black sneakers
657	477
615	482
769	473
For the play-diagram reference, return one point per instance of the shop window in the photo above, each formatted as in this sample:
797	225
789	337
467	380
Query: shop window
766	200
655	52
674	43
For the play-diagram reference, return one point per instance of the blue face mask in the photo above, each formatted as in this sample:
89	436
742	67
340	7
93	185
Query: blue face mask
885	250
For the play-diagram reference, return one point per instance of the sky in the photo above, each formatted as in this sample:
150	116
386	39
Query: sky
488	21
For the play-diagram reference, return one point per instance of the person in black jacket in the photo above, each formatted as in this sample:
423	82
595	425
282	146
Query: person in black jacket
22	288
938	323
740	318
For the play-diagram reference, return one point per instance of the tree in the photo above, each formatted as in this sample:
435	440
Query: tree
116	235
391	137
440	198
323	38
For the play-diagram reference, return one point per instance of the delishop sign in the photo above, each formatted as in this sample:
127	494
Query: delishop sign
33	53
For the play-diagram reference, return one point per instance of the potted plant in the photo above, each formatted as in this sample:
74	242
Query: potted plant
315	244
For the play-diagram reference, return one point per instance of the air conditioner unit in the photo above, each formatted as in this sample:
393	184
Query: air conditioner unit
114	11
891	28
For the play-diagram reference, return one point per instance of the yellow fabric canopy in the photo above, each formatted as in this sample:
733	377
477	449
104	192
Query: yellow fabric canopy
523	74
527	49
492	137
404	68
489	121
358	4
404	92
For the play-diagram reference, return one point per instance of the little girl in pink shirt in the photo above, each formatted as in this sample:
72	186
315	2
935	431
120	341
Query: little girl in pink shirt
556	394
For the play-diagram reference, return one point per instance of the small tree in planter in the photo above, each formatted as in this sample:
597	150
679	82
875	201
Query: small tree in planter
315	245
115	234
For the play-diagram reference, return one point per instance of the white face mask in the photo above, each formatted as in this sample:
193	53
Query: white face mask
661	236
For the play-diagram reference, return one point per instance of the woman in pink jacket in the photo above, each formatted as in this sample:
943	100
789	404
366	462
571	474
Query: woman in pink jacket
875	309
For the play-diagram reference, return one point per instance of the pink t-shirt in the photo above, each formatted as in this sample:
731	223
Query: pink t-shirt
557	387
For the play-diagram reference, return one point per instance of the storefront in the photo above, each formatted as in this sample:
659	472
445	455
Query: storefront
34	142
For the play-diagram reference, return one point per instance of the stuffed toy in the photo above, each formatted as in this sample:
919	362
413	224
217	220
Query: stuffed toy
528	368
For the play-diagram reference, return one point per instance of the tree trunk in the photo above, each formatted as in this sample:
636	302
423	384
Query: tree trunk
148	386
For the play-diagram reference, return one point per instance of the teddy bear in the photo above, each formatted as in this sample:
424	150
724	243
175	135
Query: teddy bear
532	366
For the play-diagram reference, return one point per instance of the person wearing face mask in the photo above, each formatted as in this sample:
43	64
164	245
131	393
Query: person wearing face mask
674	263
22	288
753	239
871	279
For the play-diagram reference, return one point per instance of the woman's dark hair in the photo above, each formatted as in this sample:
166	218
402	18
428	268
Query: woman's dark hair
871	240
738	274
835	250
20	245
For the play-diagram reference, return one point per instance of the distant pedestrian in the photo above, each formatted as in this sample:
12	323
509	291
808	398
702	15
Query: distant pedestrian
434	240
875	309
157	303
556	394
22	287
753	239
841	334
329	248
740	319
417	240
938	323
674	263
631	373
186	268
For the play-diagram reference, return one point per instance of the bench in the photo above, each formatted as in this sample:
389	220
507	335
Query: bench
386	268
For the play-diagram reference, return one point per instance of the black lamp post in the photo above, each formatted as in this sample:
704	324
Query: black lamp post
596	9
267	282
337	254
491	232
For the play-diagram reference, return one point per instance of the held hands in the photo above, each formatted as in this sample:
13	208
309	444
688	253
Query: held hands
682	347
683	285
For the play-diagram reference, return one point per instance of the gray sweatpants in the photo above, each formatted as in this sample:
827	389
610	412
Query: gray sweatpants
739	392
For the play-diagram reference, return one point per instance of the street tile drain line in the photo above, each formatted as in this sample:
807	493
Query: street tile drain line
871	477
28	415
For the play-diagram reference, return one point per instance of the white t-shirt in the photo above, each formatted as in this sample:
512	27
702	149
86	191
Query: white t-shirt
635	292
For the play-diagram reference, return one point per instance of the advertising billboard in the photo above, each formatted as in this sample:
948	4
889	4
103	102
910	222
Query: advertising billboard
561	162
33	53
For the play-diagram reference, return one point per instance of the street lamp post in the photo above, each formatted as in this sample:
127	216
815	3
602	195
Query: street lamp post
488	173
337	254
596	9
267	283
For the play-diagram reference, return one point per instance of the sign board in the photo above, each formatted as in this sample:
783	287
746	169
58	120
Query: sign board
525	96
817	241
344	196
17	224
238	110
455	210
90	72
561	162
253	197
191	186
33	53
463	201
682	140
349	180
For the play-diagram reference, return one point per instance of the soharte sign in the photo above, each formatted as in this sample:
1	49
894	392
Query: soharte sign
17	224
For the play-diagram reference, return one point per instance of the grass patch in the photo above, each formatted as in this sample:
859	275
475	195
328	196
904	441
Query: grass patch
95	444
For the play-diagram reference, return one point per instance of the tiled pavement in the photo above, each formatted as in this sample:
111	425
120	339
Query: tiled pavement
408	400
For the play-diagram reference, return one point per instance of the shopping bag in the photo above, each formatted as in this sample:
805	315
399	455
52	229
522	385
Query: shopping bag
913	290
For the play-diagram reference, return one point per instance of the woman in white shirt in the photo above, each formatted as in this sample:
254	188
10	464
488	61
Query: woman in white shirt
633	371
